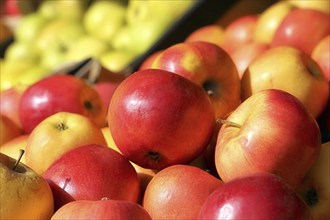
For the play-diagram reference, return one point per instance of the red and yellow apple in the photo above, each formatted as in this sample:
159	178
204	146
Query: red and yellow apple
321	54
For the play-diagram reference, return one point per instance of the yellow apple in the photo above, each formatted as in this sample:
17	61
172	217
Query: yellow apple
269	20
58	134
24	194
117	60
12	147
321	5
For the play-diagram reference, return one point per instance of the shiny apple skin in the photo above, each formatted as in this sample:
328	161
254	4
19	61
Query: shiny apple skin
259	196
92	172
302	29
277	135
57	93
158	118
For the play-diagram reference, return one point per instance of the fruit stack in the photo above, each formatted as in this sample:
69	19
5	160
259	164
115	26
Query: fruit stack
231	123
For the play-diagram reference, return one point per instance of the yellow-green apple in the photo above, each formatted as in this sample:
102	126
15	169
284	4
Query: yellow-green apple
101	209
258	196
18	51
321	54
207	65
13	147
315	187
293	32
50	95
239	32
291	70
261	136
103	18
245	54
144	174
321	5
24	194
212	33
117	60
147	62
58	134
8	129
9	102
92	172
269	20
178	192
158	118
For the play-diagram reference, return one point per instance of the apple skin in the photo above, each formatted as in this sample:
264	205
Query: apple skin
56	135
146	64
101	209
8	130
207	65
267	139
239	32
291	70
50	95
12	147
244	55
320	5
212	33
112	174
258	196
9	102
178	192
315	187
293	32
321	54
24	193
155	116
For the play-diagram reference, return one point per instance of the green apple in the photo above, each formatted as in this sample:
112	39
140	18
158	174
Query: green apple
116	60
85	47
104	18
18	51
24	194
29	27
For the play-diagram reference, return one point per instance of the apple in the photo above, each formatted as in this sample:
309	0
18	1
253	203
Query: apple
293	32
57	134
13	147
258	196
18	51
69	10
155	116
321	54
269	20
9	102
244	55
103	18
5	31
117	60
212	33
320	5
8	129
239	32
315	187
24	193
291	70
92	172
50	95
147	62
101	209
178	192
271	131
207	65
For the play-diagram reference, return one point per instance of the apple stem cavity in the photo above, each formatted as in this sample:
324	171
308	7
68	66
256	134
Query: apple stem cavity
229	123
154	155
62	126
21	153
88	105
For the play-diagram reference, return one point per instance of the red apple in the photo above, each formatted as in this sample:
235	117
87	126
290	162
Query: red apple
239	32
269	132
158	118
59	93
207	65
178	192
321	54
212	33
244	55
101	209
258	196
302	28
9	102
91	172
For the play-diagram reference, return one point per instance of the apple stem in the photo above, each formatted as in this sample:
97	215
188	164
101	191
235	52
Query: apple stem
21	152
230	123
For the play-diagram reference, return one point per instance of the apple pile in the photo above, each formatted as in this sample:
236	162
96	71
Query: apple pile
232	123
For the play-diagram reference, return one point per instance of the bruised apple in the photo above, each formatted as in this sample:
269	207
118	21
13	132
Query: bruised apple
158	118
